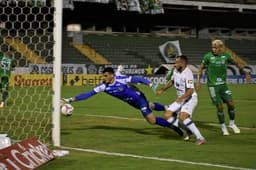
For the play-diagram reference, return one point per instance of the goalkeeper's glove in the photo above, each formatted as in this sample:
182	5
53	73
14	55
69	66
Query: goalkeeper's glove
66	100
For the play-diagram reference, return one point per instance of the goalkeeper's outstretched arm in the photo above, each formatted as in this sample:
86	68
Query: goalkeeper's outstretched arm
79	97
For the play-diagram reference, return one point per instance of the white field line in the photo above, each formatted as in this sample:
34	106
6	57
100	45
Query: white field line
155	158
127	118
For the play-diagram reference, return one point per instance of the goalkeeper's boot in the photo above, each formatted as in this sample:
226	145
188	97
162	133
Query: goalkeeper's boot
234	128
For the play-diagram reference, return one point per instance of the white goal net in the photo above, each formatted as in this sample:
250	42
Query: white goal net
26	36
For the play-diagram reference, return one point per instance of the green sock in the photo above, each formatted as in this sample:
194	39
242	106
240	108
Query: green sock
221	117
231	113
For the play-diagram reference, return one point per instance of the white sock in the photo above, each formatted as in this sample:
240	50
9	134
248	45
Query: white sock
173	121
223	125
191	126
231	122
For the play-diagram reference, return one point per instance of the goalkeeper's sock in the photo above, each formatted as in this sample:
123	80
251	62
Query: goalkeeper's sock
162	122
158	107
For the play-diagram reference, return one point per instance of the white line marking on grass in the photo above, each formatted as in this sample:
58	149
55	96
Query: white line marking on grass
128	118
113	117
155	158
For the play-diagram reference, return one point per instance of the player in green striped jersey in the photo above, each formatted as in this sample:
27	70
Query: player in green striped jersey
6	66
215	64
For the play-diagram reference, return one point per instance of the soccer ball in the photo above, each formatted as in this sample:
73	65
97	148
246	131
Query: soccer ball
67	109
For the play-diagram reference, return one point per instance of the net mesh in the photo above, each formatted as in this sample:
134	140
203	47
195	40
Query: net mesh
26	36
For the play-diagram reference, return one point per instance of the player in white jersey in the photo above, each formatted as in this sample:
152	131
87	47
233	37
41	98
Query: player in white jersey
186	101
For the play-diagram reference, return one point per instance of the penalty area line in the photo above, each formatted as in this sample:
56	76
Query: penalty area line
154	158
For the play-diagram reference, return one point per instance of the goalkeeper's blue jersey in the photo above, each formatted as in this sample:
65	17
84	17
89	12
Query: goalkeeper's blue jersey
123	89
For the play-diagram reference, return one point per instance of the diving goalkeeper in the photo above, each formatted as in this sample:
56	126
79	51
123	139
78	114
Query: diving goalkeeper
119	86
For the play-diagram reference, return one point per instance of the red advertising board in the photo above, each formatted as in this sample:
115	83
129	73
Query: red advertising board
25	155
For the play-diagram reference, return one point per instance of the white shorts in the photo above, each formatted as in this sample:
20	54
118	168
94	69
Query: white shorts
188	106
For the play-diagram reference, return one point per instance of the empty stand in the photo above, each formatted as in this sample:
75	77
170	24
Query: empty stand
120	49
70	54
142	49
132	49
244	48
22	48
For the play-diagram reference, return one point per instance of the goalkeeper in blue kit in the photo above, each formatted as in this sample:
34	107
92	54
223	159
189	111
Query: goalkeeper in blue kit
121	87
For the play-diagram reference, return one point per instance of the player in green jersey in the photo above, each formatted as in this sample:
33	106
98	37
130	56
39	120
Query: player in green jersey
6	67
215	63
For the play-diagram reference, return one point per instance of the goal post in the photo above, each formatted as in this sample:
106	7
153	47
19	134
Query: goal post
57	52
31	34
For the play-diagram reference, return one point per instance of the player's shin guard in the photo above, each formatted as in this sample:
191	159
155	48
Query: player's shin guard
221	117
231	113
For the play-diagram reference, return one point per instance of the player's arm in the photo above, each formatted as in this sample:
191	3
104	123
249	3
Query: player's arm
82	96
167	77
199	75
185	96
136	80
242	70
169	74
86	95
164	87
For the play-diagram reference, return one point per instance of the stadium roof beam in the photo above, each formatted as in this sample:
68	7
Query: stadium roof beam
180	4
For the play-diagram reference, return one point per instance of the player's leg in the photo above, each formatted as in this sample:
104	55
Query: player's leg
4	90
186	115
217	101
171	116
231	112
5	94
231	109
157	106
149	116
1	101
188	132
144	107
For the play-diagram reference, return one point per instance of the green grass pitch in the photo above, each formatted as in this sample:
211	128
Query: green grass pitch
128	142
